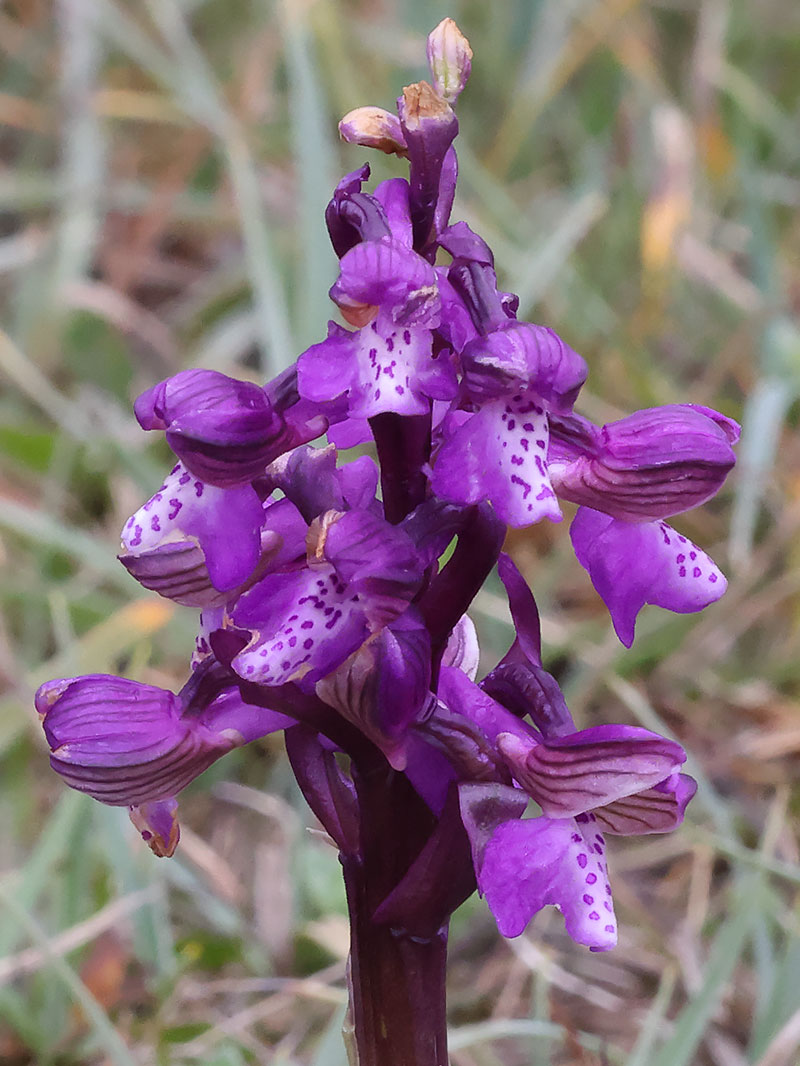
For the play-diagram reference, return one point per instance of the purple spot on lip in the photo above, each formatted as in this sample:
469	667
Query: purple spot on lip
582	861
587	899
595	917
712	577
176	506
155	525
609	928
697	572
590	878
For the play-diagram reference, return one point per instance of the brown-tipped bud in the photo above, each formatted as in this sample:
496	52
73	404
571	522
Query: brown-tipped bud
373	127
157	823
449	59
421	106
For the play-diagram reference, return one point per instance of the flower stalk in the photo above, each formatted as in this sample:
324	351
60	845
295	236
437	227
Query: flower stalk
396	979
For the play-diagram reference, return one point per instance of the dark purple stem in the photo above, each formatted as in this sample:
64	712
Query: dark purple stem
397	981
404	447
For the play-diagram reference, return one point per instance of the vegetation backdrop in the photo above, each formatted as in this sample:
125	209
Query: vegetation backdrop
164	166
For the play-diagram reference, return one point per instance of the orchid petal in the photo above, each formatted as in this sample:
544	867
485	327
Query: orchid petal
536	862
571	774
499	455
659	809
634	564
225	523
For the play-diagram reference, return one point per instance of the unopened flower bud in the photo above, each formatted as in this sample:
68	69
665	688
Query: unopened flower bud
449	59
374	127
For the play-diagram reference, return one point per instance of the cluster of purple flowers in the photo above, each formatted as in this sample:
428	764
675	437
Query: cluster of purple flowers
327	608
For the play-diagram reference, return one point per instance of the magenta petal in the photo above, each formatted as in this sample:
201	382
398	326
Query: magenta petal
350	433
122	742
659	809
359	482
499	455
353	216
328	369
652	464
634	564
537	862
462	242
457	326
521	356
484	807
376	561
388	274
225	431
529	690
447	190
396	370
429	771
591	768
384	686
393	196
309	478
464	697
302	624
524	611
177	571
225	523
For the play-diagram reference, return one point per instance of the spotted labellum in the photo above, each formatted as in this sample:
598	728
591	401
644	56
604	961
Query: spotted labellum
333	587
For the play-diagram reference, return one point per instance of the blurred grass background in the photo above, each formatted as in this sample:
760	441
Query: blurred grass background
164	166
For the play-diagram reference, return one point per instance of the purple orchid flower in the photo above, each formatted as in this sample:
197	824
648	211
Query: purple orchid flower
224	431
621	779
628	476
514	375
360	574
134	745
389	364
198	544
